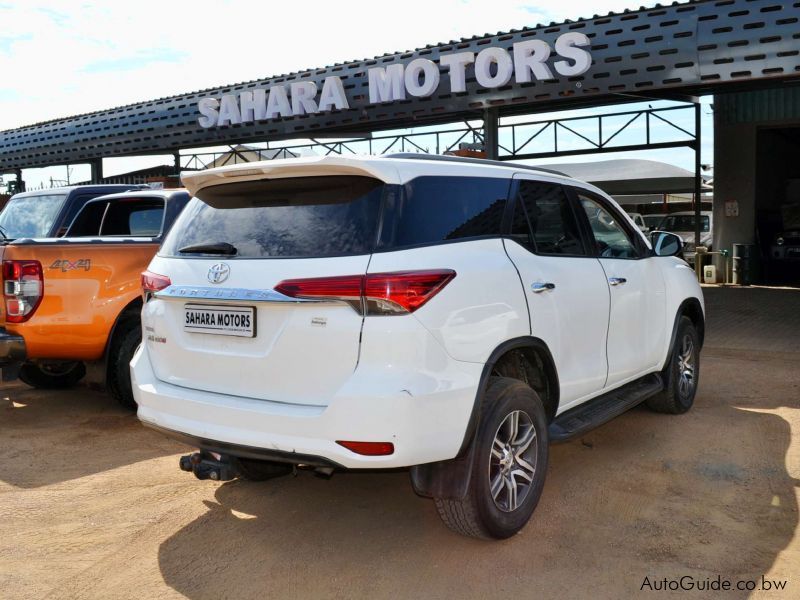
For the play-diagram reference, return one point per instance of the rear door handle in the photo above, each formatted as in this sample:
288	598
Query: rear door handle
540	286
617	280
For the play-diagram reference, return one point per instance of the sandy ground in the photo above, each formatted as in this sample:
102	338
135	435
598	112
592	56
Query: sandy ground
94	506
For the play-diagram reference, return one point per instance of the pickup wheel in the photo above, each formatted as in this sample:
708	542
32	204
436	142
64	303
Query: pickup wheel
682	374
509	467
123	346
52	375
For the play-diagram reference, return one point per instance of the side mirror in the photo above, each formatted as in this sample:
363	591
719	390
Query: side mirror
666	244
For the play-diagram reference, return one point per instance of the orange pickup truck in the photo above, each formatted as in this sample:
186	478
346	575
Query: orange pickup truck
77	299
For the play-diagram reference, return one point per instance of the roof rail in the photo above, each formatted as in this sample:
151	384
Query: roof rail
466	159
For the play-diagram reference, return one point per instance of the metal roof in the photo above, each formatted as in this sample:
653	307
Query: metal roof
684	48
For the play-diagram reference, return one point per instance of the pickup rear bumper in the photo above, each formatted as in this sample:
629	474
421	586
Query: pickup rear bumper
12	348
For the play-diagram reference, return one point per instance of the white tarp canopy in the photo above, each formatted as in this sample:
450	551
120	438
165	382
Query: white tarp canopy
627	177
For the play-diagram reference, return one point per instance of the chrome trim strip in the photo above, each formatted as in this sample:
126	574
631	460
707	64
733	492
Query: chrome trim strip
227	294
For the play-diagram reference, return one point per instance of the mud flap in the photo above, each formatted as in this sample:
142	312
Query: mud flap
447	479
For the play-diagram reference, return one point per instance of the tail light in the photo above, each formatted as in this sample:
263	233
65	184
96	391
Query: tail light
152	283
369	448
23	286
374	294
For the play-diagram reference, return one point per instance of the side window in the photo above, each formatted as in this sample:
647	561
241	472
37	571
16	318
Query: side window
435	209
610	236
544	221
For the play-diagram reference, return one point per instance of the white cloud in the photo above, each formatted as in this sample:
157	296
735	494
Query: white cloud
61	57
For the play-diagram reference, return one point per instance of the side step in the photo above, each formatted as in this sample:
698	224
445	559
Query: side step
602	409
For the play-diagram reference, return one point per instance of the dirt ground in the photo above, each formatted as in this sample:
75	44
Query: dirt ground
94	506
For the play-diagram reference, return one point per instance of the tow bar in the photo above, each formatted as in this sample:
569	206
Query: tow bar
207	465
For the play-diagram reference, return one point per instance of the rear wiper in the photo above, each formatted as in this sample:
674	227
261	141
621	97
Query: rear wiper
223	248
3	234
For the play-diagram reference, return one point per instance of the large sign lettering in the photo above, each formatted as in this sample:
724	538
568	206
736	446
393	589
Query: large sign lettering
493	67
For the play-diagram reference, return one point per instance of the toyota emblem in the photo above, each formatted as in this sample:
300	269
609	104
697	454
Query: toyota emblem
218	273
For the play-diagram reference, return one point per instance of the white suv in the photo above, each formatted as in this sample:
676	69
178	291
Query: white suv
454	316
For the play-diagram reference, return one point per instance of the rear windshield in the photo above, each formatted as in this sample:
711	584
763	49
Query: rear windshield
335	216
138	218
31	216
283	218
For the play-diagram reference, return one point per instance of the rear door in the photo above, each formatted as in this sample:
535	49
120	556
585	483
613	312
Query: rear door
566	288
221	327
636	286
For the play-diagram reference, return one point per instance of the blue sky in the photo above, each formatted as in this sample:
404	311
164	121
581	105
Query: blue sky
66	57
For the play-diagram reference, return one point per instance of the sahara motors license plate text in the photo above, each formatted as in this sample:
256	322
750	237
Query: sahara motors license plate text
239	321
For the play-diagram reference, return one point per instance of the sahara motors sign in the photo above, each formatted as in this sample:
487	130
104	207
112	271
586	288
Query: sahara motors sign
493	68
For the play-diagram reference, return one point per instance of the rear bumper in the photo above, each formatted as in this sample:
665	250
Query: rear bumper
12	349
425	417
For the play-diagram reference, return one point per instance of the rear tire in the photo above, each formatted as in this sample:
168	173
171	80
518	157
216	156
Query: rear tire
52	375
123	347
682	374
509	467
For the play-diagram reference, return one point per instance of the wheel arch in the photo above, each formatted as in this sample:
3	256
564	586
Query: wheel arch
450	478
692	309
132	311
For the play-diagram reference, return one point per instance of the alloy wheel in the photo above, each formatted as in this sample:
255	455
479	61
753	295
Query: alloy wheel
513	459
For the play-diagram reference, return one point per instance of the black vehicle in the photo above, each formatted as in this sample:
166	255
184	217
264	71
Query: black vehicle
48	213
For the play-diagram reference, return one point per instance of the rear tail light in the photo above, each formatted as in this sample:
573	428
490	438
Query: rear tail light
23	286
153	282
369	448
374	294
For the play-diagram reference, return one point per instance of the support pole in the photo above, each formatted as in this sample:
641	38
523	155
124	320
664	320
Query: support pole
491	122
96	166
20	187
177	163
698	180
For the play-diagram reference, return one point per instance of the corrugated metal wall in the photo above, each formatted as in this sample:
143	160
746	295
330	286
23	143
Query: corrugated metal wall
779	104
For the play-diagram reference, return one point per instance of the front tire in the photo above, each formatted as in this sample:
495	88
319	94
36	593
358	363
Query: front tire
52	375
508	472
682	374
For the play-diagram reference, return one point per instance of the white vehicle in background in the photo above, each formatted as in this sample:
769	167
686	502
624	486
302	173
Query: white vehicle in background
651	222
452	316
638	219
683	224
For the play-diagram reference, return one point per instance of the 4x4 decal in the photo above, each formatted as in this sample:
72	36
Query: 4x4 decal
67	265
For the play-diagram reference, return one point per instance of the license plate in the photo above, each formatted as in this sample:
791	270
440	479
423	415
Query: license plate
239	321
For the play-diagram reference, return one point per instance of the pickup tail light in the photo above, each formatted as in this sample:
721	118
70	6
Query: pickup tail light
152	283
23	287
397	293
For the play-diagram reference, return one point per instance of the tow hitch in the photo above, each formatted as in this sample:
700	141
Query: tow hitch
207	465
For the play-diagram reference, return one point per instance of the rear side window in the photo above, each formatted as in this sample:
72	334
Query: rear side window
437	209
544	221
282	218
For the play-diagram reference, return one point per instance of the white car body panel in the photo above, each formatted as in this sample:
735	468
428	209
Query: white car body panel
496	310
571	319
